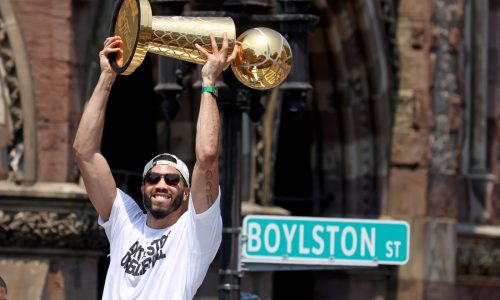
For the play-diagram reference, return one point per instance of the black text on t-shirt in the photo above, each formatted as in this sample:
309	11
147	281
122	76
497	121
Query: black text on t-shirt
138	259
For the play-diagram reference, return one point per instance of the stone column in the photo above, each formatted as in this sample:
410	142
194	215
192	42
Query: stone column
425	182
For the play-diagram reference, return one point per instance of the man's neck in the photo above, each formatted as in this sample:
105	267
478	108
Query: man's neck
164	222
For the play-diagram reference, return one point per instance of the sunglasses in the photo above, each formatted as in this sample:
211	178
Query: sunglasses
170	178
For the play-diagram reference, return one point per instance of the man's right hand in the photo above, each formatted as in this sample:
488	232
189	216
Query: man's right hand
217	60
111	45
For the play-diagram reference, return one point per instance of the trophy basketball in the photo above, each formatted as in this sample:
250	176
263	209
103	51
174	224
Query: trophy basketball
264	58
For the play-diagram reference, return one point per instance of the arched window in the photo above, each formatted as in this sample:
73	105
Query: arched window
17	108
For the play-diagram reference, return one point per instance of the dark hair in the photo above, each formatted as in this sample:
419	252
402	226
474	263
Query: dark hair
3	284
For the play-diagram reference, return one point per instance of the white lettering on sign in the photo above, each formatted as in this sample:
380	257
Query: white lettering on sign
254	243
317	238
343	241
289	237
302	249
368	241
272	248
323	241
390	251
332	230
319	241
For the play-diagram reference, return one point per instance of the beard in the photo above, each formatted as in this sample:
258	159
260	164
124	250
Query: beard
160	213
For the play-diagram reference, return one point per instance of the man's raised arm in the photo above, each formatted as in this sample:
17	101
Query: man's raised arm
205	182
95	171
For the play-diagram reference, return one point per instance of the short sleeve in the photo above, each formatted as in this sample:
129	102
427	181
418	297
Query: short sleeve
124	210
207	226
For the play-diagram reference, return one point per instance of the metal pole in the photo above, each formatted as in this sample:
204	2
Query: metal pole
231	166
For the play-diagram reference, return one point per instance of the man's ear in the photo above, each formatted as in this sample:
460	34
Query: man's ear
186	194
142	189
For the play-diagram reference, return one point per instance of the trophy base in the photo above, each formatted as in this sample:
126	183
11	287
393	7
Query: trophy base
132	21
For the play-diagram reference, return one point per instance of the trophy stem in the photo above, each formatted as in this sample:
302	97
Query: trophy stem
176	36
172	36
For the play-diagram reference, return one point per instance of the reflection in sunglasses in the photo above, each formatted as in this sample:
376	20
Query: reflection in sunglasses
169	178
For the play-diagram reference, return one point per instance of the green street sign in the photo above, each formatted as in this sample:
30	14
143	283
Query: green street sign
324	241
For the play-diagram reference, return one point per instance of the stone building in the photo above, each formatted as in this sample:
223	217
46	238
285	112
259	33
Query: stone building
389	113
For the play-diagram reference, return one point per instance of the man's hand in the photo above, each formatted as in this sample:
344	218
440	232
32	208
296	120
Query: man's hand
217	61
111	45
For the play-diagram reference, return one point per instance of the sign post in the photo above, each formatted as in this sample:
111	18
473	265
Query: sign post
326	242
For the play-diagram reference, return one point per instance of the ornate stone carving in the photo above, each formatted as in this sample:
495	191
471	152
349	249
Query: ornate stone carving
389	19
478	258
445	138
49	229
12	118
478	253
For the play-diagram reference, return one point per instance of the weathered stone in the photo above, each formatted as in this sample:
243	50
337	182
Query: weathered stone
416	10
52	91
477	289
46	28
410	289
412	110
413	35
445	192
407	196
48	35
54	151
438	290
432	256
414	72
456	114
404	118
415	269
440	250
25	278
423	113
495	217
404	33
410	148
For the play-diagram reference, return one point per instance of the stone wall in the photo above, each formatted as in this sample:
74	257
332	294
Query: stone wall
48	226
47	32
58	35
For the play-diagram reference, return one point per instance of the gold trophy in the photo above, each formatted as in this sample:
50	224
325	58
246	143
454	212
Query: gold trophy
264	58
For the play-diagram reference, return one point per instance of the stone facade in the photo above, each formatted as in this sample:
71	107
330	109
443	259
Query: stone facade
50	242
401	123
48	34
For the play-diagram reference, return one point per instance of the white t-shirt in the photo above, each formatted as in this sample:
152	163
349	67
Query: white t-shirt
168	263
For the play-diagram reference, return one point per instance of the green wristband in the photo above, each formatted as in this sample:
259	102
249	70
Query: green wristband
210	89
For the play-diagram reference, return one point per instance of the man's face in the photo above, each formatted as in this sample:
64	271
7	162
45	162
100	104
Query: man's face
163	191
3	294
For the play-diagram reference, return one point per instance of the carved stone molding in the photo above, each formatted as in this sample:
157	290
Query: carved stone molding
446	99
49	223
478	253
25	229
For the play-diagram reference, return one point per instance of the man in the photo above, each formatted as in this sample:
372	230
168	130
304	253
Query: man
164	254
3	289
